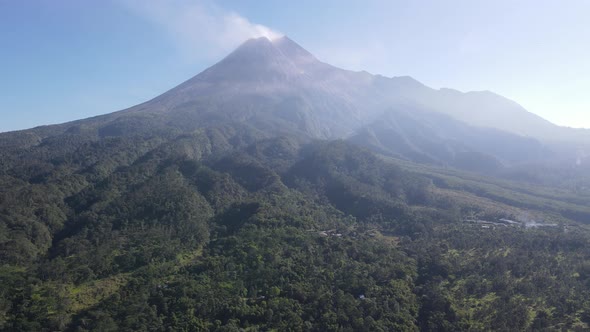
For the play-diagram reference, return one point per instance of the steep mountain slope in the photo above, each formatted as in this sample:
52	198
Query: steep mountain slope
277	86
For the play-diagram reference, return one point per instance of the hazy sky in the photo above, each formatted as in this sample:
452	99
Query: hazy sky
62	60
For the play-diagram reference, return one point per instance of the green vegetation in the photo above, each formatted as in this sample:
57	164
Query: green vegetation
223	230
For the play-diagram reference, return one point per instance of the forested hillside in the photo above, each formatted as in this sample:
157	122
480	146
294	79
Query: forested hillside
223	229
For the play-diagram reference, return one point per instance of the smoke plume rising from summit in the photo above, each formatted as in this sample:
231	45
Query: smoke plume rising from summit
193	24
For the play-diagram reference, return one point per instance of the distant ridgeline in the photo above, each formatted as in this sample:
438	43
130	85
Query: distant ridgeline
274	192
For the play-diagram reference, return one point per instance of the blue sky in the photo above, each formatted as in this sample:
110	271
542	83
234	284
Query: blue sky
62	60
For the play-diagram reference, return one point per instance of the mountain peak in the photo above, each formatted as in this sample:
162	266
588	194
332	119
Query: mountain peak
253	47
254	42
282	46
262	59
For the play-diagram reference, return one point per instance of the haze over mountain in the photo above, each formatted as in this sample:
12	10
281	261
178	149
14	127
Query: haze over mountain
281	69
280	88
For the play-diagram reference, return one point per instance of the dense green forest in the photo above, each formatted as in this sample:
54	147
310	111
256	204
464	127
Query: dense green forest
224	229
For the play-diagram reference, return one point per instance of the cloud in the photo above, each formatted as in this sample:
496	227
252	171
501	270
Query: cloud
199	28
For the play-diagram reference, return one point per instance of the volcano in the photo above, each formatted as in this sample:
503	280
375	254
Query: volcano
278	88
